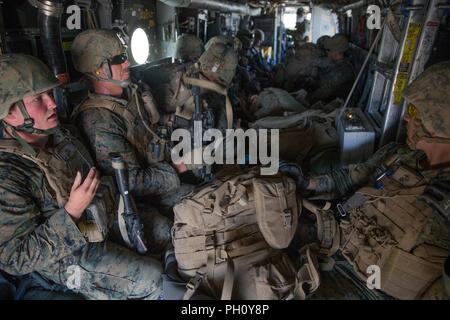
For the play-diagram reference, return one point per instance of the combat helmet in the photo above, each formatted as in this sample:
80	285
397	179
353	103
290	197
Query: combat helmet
338	43
189	48
321	41
246	38
22	76
93	48
219	61
428	97
259	35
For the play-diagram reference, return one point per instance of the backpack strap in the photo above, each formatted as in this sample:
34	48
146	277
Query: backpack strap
114	107
328	230
216	88
308	273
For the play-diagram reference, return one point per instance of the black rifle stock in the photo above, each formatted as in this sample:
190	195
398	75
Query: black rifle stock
134	226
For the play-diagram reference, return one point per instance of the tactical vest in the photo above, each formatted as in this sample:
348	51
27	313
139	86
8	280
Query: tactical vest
60	164
386	229
228	235
139	119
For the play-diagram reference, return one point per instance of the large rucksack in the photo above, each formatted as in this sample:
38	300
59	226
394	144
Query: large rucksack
228	237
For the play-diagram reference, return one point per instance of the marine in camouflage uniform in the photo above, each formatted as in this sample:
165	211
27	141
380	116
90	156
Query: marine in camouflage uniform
396	204
126	124
335	80
302	69
37	233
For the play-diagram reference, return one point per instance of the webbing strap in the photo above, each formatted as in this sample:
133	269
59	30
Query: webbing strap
327	229
192	285
228	281
308	274
216	88
211	255
244	250
144	122
93	103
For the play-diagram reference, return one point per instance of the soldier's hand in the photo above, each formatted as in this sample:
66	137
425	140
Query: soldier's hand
294	171
82	193
180	167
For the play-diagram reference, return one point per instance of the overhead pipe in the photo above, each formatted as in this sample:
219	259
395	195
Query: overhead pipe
215	5
105	9
49	20
355	5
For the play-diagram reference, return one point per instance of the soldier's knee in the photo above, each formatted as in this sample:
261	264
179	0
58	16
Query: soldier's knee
147	280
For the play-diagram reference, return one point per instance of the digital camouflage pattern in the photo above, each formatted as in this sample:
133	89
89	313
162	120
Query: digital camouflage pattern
219	60
431	232
189	48
92	47
430	94
333	82
21	76
38	235
302	69
347	179
106	132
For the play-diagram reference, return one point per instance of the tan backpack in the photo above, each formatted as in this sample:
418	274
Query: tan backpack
228	235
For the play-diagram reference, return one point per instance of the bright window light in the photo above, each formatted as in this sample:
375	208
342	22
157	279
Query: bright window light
140	47
290	20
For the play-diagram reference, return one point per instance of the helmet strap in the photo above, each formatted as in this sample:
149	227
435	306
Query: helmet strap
25	145
108	71
28	123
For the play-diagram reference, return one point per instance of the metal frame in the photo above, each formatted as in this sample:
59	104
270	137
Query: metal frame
2	31
397	65
428	35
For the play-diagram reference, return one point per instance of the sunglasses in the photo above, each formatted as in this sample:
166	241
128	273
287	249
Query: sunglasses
119	59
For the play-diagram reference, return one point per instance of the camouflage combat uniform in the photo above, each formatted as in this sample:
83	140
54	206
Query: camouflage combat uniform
36	232
126	125
106	132
395	214
38	235
333	82
302	69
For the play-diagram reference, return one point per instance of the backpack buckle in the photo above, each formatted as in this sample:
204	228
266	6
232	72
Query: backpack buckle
287	215
195	282
210	241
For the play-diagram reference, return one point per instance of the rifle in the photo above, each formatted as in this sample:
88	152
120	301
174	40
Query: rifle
206	118
130	224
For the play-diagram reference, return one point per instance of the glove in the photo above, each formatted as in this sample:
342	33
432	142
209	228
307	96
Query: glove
437	196
294	171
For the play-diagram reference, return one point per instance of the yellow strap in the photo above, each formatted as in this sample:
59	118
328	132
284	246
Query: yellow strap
216	88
